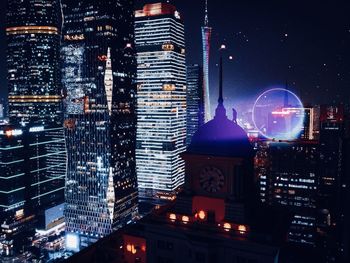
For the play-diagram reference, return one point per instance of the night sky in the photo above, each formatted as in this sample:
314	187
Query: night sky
274	42
304	43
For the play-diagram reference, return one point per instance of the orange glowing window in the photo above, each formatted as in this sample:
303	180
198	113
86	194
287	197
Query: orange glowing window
242	229
8	133
227	226
168	47
185	219
172	217
169	87
133	251
131	248
201	215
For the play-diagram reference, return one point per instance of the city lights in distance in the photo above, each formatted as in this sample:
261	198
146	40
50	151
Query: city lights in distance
278	114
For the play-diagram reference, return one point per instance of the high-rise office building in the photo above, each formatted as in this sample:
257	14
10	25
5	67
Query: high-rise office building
33	153
206	38
33	40
98	76
33	165
161	123
195	100
287	175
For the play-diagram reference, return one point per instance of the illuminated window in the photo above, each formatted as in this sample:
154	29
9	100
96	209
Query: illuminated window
185	219
242	229
227	226
172	217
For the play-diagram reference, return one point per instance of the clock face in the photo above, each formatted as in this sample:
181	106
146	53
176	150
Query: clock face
211	179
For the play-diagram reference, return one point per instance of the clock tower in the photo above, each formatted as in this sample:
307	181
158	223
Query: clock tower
219	177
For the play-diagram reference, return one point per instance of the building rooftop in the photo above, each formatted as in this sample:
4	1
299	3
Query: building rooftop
221	137
157	9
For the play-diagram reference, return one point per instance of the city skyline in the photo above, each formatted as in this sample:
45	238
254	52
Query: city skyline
108	152
263	60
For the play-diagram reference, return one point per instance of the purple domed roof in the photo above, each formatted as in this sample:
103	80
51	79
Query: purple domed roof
221	137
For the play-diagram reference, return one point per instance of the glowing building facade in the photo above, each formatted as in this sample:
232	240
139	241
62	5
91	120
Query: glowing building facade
33	41
195	100
33	153
98	76
33	169
206	38
161	131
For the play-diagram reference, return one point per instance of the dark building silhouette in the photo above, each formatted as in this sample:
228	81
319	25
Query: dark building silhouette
195	100
287	173
333	183
310	179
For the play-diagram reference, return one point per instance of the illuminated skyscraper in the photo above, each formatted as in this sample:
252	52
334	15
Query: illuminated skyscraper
33	41
161	131
206	38
195	100
98	77
33	153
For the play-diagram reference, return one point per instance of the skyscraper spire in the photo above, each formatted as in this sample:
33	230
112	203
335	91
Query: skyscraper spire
221	98
206	39
206	19
220	110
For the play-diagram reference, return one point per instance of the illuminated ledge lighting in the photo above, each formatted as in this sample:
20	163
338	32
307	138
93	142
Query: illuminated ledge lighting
201	216
12	191
31	98
31	30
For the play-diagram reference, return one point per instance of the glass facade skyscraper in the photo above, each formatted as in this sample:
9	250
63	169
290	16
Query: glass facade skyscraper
33	152
195	100
98	76
161	130
33	40
33	169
